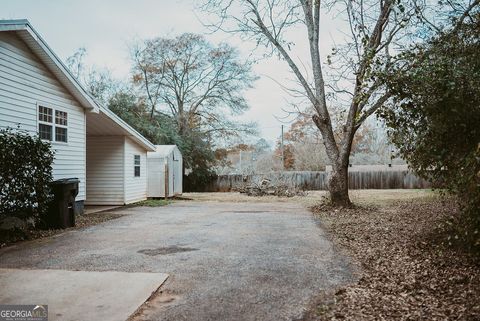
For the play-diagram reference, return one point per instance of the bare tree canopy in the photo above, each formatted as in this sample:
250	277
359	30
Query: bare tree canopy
99	82
195	82
373	27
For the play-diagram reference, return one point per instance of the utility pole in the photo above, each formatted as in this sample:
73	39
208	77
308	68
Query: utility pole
283	151
241	169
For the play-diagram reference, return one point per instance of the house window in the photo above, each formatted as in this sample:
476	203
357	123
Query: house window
61	134
60	118
45	114
136	165
45	131
60	126
52	128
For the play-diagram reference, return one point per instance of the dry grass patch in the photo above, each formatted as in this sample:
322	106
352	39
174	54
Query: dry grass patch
313	197
153	202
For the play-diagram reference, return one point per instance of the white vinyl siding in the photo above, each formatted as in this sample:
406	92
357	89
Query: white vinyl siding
105	162
111	171
24	83
135	187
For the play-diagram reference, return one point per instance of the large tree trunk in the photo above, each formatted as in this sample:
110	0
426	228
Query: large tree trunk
338	185
339	157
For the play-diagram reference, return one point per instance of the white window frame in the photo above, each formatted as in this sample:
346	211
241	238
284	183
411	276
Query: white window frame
139	165
41	122
53	124
60	125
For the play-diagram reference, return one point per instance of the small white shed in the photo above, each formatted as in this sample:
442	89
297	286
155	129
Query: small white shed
165	171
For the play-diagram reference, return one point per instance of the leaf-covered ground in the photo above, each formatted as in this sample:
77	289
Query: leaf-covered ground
406	268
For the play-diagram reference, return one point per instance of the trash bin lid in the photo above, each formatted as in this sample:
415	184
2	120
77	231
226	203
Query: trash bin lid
66	181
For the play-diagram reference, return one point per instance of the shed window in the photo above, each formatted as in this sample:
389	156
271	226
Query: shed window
50	128
136	165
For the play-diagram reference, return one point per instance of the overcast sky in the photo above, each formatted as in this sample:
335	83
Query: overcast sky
106	27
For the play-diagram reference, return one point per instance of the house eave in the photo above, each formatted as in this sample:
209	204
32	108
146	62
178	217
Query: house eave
129	131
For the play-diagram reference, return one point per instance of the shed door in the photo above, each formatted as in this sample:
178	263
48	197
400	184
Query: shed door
156	179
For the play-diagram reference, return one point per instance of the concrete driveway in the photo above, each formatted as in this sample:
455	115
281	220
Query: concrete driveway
226	261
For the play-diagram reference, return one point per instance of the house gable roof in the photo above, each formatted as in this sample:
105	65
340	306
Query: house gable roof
40	48
45	54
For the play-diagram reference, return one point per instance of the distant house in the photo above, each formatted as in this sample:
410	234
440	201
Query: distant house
39	94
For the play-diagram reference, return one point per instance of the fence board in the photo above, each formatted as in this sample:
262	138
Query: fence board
309	180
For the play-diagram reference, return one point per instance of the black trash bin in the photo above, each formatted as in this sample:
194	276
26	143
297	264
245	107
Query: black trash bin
61	212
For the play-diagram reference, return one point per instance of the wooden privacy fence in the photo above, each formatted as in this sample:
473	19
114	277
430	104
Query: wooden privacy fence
306	180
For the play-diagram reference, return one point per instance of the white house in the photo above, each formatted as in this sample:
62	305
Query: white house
39	94
165	171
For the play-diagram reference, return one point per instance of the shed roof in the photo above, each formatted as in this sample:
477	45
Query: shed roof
40	48
164	150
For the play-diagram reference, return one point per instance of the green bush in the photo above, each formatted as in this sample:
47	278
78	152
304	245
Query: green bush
435	118
25	175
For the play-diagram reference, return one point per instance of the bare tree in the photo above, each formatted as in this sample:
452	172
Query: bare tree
75	62
373	27
196	83
309	155
304	144
99	82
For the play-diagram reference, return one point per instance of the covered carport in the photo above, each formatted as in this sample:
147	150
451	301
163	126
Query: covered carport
116	161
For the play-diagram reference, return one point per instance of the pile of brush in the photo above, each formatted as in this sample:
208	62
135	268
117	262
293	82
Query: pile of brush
265	187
